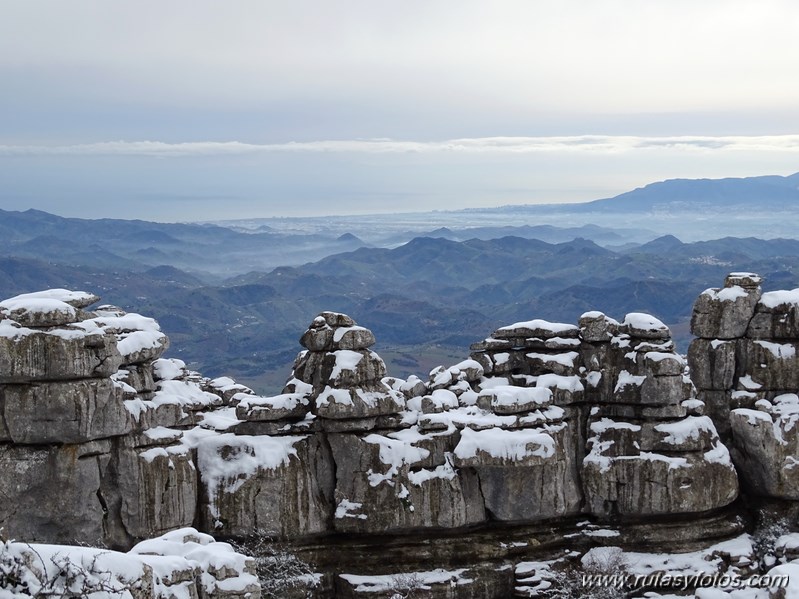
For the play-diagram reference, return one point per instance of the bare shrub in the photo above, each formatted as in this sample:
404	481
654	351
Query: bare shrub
575	580
279	571
29	574
407	585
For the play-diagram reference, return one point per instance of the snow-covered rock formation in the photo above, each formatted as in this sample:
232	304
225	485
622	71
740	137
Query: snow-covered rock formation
591	431
745	363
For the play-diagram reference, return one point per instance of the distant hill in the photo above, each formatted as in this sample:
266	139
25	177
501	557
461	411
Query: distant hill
426	299
770	192
235	300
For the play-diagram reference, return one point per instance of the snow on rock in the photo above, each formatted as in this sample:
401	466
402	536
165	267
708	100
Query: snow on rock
39	570
221	419
279	407
508	399
537	328
775	299
139	338
560	363
140	346
765	443
167	369
645	326
394	453
345	360
76	299
253	482
726	313
222	572
438	401
781	351
502	447
690	428
226	461
626	379
348	509
39	312
445	580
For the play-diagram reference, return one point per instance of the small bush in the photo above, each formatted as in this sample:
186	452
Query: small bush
279	571
407	586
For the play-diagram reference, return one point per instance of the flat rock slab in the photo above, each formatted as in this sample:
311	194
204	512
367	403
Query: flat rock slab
63	411
27	355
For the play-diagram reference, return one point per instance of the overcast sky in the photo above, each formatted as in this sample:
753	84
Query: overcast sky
199	109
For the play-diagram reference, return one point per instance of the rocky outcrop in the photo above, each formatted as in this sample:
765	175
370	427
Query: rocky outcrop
182	563
85	467
650	451
545	426
748	375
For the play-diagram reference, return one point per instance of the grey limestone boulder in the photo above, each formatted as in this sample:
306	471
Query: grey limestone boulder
712	363
393	483
63	411
541	329
340	377
50	493
28	355
765	446
776	316
526	474
281	486
659	484
725	313
595	327
644	326
150	486
39	312
767	365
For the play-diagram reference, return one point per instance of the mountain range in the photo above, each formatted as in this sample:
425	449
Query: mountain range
216	293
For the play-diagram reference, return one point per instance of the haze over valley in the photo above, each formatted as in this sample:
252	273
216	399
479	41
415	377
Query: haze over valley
232	295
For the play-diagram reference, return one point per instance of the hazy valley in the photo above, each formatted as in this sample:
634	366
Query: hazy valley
232	295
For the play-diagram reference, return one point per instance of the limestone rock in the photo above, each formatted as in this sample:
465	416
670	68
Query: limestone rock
150	489
27	355
659	484
767	365
776	316
765	446
381	486
360	402
595	327
342	383
39	312
52	495
645	326
280	407
541	329
282	486
535	464
76	299
712	363
84	572
63	412
507	399
188	563
637	471
725	313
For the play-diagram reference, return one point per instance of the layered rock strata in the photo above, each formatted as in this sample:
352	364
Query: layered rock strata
84	468
543	425
745	364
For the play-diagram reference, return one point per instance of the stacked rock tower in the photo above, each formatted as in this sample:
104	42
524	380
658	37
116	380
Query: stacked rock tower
746	365
545	430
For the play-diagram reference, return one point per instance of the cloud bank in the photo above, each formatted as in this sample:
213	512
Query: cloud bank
587	144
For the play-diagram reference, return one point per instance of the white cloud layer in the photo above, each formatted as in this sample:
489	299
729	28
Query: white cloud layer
584	144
